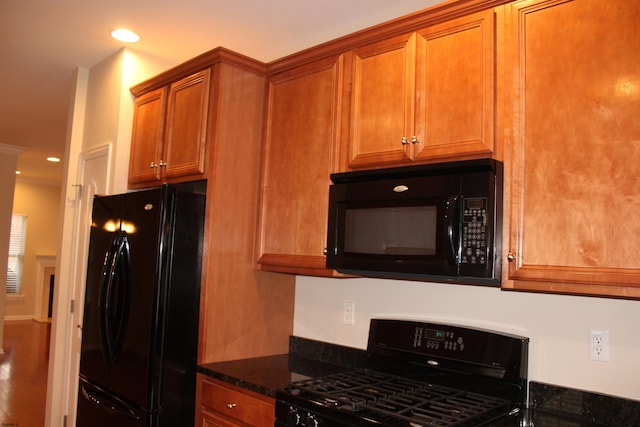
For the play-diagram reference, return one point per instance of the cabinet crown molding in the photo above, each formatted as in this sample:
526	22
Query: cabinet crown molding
200	62
423	18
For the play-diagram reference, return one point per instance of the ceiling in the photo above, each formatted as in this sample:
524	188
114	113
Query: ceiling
42	42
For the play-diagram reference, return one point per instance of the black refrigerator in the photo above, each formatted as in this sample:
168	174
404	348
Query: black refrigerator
140	327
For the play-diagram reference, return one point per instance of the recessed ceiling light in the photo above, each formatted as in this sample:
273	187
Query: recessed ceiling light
124	35
54	159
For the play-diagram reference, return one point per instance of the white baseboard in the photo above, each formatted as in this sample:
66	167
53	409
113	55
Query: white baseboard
19	317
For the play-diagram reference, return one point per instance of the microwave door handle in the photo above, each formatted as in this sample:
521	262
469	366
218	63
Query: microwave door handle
452	229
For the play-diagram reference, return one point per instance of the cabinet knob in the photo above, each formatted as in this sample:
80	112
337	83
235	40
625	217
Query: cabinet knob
152	165
404	140
231	405
414	139
161	164
324	251
511	257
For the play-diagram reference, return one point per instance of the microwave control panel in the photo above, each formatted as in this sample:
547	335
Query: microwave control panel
474	231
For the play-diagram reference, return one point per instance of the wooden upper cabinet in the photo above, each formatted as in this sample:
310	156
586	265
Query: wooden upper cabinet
186	127
575	129
301	131
170	131
455	83
147	136
424	95
382	102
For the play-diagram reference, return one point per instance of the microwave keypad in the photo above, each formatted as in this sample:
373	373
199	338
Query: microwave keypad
474	231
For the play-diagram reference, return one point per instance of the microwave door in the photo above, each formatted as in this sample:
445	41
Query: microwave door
439	222
397	240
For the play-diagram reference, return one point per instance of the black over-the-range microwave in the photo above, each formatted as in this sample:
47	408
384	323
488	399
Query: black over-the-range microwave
439	222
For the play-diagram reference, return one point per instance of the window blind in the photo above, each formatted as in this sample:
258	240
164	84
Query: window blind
16	253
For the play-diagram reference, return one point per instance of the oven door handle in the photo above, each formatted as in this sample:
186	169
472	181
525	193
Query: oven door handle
452	220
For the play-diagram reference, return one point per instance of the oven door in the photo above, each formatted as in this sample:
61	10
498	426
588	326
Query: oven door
289	415
395	227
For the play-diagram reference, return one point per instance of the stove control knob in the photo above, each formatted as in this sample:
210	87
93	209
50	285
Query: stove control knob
310	421
293	417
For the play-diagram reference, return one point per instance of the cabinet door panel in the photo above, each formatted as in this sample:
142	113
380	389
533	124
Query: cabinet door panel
210	419
301	133
577	186
226	406
382	107
186	127
455	87
146	140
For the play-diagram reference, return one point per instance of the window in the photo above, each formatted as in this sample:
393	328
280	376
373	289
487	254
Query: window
16	253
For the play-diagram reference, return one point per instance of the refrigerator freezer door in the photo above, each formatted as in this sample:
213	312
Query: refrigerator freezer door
107	410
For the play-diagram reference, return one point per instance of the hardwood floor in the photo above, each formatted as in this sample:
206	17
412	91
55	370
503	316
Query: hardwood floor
23	373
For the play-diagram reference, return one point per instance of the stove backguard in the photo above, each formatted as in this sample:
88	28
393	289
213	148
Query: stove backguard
477	360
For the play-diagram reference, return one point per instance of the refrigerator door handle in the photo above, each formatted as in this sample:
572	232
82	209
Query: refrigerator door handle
108	402
116	307
121	297
105	283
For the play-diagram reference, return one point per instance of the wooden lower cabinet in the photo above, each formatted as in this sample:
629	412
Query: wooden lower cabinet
220	404
574	121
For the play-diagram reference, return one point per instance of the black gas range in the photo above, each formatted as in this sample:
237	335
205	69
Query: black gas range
417	375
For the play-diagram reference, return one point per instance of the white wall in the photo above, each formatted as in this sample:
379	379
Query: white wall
40	201
557	325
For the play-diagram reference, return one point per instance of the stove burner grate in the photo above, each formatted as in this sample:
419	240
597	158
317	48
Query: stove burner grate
396	400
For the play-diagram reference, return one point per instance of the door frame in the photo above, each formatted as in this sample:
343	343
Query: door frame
66	333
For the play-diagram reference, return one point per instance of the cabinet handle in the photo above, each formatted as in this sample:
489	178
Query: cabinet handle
414	139
511	257
231	405
404	140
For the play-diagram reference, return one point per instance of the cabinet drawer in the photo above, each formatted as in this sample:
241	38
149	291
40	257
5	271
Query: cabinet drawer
241	405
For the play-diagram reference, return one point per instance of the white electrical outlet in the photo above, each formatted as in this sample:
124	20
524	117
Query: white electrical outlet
599	345
348	315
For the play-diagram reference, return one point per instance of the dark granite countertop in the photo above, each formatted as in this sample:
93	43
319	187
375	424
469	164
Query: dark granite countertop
549	405
266	375
306	359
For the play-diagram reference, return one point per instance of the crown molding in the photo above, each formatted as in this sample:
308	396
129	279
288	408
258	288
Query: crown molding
11	149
